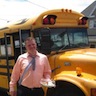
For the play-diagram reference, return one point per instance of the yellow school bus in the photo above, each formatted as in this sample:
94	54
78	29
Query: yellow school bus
61	34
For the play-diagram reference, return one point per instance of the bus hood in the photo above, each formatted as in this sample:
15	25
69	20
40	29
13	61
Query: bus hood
70	60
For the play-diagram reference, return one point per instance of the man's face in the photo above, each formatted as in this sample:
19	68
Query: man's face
30	46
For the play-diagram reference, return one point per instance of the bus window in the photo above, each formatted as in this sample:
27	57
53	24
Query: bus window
2	46
61	38
43	40
77	37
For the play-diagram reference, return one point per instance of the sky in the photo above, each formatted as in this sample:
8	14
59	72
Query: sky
12	10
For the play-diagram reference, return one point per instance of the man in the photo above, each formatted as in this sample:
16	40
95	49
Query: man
30	83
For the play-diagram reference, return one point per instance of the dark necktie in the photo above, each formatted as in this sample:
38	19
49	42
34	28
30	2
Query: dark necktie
33	63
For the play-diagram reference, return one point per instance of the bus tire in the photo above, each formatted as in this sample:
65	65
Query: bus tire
64	88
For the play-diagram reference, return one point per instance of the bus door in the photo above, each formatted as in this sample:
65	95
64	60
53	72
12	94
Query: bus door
14	46
7	51
18	40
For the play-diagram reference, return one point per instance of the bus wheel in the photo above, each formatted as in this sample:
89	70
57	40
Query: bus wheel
64	89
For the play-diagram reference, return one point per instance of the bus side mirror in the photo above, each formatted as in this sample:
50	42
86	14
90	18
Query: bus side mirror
45	41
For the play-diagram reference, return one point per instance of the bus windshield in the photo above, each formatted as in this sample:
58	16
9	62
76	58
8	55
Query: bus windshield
65	38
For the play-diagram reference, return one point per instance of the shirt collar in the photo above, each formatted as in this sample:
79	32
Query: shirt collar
37	54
